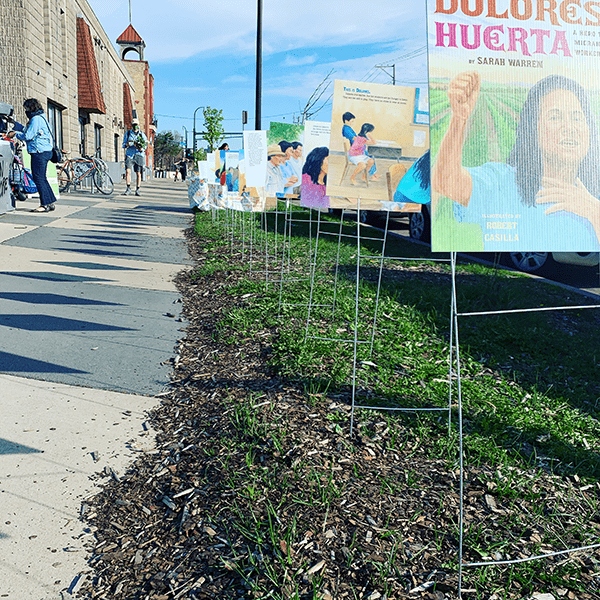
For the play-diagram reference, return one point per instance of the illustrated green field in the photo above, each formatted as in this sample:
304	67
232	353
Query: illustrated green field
493	125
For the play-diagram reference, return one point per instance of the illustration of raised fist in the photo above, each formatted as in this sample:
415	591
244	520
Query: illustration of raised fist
463	92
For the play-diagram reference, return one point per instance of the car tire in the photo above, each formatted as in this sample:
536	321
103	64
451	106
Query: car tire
420	225
530	262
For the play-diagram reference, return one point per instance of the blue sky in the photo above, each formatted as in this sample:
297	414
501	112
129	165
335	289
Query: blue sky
203	54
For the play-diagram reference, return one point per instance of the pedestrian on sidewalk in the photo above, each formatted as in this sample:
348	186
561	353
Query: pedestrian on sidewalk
135	143
39	141
182	164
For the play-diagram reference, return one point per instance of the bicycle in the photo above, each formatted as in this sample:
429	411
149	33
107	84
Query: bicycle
75	170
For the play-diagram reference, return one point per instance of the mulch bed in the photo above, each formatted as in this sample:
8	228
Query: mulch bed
254	492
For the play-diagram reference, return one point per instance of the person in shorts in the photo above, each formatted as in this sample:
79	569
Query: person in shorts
135	143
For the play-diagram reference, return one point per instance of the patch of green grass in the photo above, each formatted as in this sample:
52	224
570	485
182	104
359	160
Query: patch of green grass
530	383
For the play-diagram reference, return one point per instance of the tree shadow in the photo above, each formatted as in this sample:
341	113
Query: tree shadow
547	354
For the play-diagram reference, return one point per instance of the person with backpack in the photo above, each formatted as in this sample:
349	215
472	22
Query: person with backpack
135	143
40	143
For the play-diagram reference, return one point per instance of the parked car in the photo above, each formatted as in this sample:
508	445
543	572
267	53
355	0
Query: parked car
529	262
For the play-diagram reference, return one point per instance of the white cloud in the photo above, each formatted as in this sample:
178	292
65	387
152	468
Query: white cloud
236	79
190	89
184	28
300	85
298	61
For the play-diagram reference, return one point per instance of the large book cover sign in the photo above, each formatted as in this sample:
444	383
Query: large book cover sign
514	108
255	162
377	133
285	159
314	171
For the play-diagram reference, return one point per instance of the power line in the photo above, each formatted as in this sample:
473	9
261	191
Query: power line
369	77
238	119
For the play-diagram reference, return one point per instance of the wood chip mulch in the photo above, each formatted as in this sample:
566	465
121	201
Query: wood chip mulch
254	492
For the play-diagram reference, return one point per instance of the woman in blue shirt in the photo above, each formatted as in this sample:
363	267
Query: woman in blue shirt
39	141
287	171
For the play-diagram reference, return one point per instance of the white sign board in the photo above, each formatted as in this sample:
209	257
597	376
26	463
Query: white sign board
6	160
255	156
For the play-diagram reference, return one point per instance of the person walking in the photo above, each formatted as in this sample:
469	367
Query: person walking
183	168
135	143
39	141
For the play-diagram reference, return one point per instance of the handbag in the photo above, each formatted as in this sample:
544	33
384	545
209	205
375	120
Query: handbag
56	153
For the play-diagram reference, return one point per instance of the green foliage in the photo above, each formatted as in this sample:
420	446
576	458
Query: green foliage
166	149
214	132
199	155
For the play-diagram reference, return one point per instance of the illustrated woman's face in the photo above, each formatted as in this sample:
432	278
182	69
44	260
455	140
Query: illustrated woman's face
325	165
563	132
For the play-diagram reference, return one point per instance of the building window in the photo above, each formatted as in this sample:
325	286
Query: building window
421	107
97	140
117	147
56	123
82	134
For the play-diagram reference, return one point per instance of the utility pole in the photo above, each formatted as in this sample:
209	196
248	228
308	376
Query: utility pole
258	64
392	74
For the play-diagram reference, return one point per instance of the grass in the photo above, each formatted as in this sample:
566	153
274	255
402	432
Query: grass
530	384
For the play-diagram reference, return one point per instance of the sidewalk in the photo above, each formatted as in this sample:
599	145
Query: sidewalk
87	300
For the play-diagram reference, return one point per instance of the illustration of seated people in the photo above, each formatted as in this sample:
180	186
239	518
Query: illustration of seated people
275	183
297	160
545	197
349	134
314	179
232	171
290	179
358	156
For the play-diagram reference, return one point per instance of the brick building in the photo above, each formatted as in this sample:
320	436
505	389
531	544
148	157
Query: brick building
58	52
131	41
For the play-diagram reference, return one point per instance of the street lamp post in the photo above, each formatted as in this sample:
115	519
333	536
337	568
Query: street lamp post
186	136
194	142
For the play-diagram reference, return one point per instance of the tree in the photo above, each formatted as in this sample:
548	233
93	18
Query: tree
199	155
167	146
214	133
311	107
